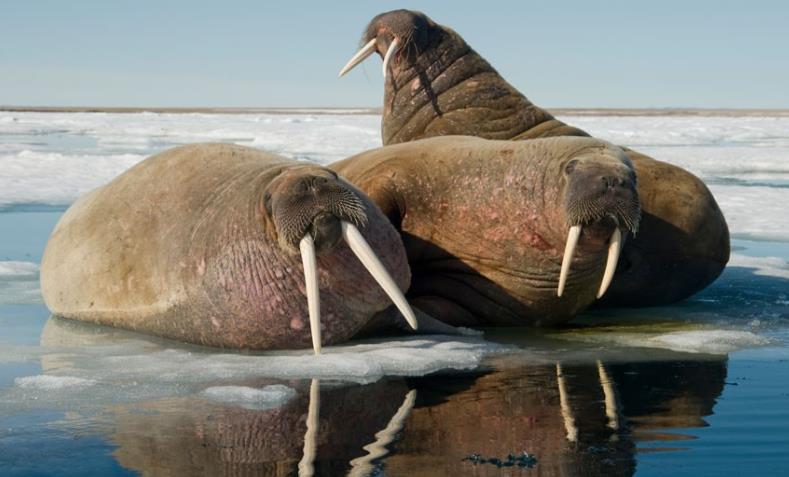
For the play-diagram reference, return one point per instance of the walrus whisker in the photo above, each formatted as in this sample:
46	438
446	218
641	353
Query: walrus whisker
392	48
307	247
360	56
569	252
372	263
614	247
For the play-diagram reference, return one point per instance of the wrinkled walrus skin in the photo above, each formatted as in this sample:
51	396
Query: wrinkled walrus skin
182	246
436	84
484	222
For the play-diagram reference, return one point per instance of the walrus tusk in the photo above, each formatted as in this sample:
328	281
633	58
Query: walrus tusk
389	53
307	247
569	251
360	56
370	260
614	247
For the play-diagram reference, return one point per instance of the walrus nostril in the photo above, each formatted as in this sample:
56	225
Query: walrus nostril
611	183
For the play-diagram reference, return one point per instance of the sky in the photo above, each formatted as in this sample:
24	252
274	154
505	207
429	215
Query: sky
191	53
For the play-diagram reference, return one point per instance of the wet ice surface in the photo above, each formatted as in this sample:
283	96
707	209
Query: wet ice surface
268	397
616	392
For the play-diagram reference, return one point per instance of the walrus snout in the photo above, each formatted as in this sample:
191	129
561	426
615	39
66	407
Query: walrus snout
399	32
315	203
312	208
602	185
601	202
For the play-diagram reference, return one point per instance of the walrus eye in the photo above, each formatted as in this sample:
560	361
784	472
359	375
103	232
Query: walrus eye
570	166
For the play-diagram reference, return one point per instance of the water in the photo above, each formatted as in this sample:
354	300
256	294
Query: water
697	388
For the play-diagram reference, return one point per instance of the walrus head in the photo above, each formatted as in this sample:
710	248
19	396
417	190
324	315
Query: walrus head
436	84
311	209
601	203
399	34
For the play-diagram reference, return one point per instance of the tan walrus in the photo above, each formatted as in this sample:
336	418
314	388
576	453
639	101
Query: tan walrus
436	84
485	223
201	244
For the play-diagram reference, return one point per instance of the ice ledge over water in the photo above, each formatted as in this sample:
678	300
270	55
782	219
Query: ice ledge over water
15	269
708	341
87	367
699	340
361	363
19	283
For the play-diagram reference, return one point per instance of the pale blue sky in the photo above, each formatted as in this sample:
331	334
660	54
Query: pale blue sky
256	53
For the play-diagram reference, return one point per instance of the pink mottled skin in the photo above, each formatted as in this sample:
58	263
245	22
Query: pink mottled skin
182	246
484	224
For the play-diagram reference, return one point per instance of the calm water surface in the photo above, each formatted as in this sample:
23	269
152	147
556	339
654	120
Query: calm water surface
576	407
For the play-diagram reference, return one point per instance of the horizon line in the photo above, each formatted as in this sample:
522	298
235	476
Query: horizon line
366	110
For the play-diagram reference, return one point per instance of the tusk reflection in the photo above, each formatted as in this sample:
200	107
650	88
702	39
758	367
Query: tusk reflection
363	466
306	465
564	403
609	393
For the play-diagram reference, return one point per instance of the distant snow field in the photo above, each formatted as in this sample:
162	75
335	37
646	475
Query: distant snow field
51	158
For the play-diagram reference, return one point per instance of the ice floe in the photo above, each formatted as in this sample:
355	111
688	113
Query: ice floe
88	366
19	283
255	399
51	383
707	341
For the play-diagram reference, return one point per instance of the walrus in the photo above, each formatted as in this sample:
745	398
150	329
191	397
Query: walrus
436	84
201	244
503	233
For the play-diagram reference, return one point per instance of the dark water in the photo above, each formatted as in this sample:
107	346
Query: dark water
581	409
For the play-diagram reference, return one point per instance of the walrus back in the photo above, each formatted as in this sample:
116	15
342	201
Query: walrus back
117	253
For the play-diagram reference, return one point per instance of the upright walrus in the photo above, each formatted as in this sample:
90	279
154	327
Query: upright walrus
200	243
437	85
485	223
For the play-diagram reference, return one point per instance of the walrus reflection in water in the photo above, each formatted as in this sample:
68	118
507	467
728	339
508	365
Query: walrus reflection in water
580	418
201	244
485	223
436	84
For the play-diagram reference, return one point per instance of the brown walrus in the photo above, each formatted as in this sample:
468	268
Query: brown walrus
200	243
437	85
485	223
